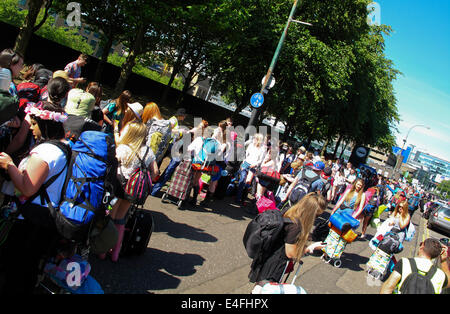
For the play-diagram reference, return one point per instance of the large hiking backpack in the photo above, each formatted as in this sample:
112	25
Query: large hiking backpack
207	155
325	187
91	172
262	233
413	203
28	92
159	135
139	185
308	176
417	283
391	243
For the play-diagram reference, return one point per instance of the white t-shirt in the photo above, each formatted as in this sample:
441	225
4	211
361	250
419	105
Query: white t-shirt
56	161
124	151
254	155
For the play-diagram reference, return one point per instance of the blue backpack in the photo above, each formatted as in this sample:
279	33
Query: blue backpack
207	155
92	169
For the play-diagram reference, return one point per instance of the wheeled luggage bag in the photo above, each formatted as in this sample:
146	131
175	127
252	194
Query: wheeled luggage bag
180	184
138	230
335	246
281	287
379	264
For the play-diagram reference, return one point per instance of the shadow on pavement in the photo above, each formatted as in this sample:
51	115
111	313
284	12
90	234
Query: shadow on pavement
224	207
179	230
154	270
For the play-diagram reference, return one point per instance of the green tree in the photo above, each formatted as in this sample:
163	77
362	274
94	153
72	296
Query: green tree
29	25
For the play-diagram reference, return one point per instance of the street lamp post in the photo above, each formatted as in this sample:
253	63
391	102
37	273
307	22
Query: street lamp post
257	111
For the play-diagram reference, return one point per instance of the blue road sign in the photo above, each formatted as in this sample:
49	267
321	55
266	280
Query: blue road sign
257	100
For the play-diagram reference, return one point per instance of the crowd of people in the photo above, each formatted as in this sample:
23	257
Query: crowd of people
52	108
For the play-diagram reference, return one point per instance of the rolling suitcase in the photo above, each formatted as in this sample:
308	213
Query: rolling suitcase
266	287
334	248
379	264
181	183
138	230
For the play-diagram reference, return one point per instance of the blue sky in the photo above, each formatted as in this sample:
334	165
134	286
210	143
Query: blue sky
419	46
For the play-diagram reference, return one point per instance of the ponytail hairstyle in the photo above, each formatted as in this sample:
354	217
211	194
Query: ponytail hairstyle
57	89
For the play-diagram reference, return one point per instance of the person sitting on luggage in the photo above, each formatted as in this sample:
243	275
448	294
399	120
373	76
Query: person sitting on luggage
270	161
401	219
292	243
129	152
254	154
428	250
353	200
32	237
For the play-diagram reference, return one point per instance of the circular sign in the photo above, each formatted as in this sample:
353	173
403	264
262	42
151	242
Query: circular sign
361	152
257	100
270	82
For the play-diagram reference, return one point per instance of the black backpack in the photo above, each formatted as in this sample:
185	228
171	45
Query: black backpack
391	242
308	176
263	233
416	283
325	187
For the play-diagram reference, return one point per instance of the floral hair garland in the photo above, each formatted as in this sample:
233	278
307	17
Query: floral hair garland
36	110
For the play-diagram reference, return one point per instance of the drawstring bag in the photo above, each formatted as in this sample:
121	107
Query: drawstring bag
139	185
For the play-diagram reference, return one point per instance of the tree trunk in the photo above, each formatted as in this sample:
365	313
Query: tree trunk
324	148
127	67
342	152
337	146
176	69
27	29
104	58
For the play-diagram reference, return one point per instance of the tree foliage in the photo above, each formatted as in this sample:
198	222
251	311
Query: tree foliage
333	80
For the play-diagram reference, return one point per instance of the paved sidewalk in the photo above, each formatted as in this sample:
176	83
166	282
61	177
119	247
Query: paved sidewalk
200	251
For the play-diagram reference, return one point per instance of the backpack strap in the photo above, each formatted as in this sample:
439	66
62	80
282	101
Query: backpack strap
431	272
42	192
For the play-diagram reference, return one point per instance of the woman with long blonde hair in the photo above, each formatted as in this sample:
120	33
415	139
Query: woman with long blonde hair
293	242
353	200
130	151
254	156
401	215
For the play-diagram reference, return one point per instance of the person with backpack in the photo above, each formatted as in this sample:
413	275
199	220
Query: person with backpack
413	201
419	275
80	105
159	131
35	182
131	152
12	61
176	141
307	180
225	149
374	201
289	243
